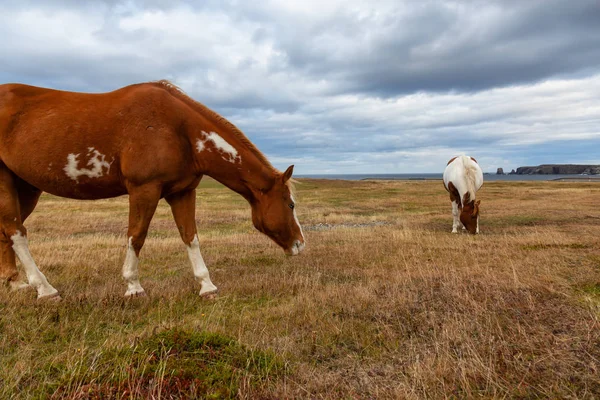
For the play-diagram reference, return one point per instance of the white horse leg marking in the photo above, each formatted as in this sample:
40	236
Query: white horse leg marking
130	272
17	285
455	219
477	231
199	267
35	277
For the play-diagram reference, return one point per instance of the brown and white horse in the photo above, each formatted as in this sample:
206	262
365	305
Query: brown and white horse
150	141
462	179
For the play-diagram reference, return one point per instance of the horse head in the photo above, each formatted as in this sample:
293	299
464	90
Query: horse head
274	214
469	215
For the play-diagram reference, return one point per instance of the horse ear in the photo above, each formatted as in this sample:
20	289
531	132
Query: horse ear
476	208
466	198
287	174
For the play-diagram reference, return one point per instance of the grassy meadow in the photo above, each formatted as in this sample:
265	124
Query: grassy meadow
384	302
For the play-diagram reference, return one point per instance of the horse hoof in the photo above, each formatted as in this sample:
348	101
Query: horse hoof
212	295
131	295
53	297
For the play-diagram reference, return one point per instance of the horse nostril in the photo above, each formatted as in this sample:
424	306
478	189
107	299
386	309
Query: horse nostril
299	245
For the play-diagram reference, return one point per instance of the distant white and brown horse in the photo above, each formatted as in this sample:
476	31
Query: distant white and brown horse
462	179
150	141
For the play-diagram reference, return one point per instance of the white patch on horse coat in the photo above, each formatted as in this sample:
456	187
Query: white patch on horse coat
229	152
97	162
199	267
199	145
130	272
35	277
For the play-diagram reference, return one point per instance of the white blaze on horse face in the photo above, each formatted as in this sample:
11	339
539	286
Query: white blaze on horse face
296	218
97	162
199	267
130	272
298	245
229	152
35	277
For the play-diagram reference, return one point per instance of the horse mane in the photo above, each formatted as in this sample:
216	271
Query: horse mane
217	119
470	172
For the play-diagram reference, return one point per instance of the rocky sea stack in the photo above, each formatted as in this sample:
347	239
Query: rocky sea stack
560	169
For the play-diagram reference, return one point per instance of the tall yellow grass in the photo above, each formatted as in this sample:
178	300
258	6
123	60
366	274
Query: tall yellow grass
384	303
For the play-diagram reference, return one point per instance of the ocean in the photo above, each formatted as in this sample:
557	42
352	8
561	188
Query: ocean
487	177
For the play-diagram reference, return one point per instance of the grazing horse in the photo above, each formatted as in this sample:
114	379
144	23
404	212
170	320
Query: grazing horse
462	179
149	141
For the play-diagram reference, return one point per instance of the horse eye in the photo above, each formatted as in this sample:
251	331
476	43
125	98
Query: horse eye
291	205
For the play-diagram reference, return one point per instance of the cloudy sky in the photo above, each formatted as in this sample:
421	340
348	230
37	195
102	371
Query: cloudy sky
341	86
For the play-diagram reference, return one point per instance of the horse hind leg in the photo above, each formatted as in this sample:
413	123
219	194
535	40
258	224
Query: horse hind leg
14	235
183	206
28	198
8	264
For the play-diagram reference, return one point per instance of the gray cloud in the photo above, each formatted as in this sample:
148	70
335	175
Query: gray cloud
457	46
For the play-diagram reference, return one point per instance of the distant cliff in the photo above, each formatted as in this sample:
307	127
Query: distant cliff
559	169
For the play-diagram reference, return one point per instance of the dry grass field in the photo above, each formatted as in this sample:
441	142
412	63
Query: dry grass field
384	303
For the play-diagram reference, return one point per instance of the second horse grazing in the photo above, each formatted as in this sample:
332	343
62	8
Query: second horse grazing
149	141
462	179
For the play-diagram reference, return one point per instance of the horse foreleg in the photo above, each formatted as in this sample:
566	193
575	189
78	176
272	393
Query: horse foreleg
455	217
14	234
183	206
142	205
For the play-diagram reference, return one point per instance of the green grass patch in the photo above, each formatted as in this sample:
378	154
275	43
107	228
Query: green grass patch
593	290
591	293
171	364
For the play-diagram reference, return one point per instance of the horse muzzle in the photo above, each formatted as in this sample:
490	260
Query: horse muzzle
296	248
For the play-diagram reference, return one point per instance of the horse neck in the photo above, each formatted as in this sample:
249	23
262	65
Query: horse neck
227	160
462	177
470	178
